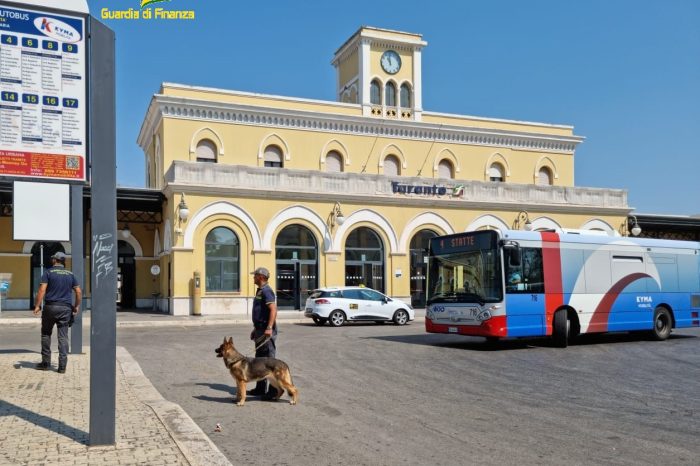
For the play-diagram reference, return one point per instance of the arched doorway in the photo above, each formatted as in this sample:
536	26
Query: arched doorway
126	276
364	259
419	266
41	256
296	260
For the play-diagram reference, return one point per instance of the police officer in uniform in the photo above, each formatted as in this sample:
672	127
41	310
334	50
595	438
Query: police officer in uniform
58	286
264	326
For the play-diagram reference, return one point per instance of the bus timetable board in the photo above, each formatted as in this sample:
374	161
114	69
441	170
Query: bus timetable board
43	111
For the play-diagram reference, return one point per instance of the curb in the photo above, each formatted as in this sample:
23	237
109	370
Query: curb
150	323
194	444
196	322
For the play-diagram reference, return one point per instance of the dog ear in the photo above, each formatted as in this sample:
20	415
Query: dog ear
230	340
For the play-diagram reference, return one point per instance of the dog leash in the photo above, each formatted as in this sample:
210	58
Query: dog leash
264	340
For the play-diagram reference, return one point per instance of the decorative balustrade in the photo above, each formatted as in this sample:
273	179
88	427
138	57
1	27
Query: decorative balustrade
282	182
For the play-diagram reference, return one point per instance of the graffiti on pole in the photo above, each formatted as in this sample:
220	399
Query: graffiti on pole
102	260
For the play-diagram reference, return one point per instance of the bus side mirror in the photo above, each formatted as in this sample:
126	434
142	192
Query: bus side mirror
513	252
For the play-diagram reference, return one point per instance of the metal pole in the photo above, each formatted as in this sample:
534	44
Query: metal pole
41	271
103	253
77	262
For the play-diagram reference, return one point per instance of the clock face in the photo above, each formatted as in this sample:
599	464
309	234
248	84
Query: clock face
391	62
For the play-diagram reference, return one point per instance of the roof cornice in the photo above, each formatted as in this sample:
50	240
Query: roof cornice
303	120
372	35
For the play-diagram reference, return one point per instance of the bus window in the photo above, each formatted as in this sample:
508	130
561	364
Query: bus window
524	274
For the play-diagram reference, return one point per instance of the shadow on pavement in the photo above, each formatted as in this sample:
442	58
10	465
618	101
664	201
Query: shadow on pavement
25	364
227	399
607	338
48	423
231	391
17	351
481	344
217	386
465	342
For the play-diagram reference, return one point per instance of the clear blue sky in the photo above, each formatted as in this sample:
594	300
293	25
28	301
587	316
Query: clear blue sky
624	73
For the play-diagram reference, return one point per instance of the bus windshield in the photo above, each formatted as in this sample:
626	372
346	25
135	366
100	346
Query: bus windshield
465	268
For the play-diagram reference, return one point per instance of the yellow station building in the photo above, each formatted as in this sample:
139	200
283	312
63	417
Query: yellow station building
335	193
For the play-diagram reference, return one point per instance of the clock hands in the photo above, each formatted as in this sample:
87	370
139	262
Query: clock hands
391	62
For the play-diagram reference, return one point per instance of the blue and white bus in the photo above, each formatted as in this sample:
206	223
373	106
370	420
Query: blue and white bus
544	283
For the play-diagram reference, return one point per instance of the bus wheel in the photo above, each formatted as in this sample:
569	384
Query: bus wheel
662	324
560	332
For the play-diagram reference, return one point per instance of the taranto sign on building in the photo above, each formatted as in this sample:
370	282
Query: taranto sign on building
43	114
434	190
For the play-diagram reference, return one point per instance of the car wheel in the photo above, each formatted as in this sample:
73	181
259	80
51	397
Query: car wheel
319	320
662	324
400	317
560	332
336	318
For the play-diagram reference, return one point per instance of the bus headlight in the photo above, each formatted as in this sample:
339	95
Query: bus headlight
484	315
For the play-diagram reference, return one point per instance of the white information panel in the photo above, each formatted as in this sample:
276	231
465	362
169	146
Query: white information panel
43	114
41	211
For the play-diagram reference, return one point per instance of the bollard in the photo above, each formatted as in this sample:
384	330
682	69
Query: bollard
196	295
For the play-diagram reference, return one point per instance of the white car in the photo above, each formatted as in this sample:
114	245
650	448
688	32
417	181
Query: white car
354	303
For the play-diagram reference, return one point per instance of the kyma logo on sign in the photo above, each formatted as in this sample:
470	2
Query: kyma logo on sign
56	29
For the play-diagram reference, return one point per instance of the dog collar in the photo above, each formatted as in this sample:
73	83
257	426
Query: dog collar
230	365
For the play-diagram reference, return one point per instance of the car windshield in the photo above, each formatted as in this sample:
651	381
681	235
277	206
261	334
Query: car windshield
462	277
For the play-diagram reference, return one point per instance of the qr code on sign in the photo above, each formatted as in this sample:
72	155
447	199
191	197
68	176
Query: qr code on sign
73	163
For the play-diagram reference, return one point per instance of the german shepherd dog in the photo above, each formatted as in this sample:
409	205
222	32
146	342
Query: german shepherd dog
245	369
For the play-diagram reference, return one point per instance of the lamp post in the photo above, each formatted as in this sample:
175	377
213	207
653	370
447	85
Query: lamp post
126	232
183	213
336	216
636	229
522	219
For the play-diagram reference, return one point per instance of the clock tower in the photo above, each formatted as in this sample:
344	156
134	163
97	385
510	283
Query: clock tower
381	70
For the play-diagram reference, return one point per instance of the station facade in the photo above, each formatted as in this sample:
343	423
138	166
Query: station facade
326	193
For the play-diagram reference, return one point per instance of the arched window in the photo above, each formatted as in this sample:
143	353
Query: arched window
296	258
405	96
334	162
445	169
364	259
375	92
222	252
390	94
392	166
206	151
544	177
126	275
496	172
419	266
273	157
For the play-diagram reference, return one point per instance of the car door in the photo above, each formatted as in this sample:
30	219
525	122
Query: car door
374	305
353	303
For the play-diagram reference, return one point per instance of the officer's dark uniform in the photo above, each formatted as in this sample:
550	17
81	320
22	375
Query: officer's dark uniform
58	308
261	319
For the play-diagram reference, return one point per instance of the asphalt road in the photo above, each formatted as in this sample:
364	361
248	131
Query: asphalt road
381	394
